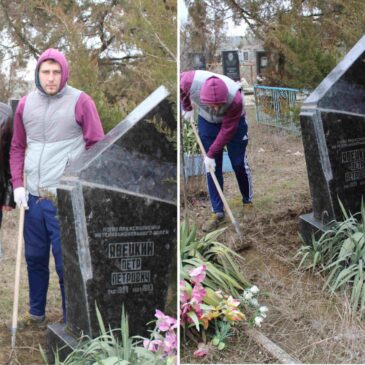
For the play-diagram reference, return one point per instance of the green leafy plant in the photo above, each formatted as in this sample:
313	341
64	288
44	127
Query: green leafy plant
213	290
111	349
223	330
340	254
222	263
191	146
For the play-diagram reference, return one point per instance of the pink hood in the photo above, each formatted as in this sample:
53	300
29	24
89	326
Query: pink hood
55	55
214	91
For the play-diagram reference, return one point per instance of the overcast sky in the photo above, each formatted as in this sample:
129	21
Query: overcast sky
232	29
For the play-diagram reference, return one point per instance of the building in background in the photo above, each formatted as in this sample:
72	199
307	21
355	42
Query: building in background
252	56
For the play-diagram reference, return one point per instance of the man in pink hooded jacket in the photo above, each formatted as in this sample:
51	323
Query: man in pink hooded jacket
52	126
221	123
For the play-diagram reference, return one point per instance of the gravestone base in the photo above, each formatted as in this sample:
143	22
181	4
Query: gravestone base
309	226
58	339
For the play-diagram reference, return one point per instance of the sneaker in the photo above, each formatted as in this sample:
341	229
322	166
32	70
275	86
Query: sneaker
28	320
248	211
214	222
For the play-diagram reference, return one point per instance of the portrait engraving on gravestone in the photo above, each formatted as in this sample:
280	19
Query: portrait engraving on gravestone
231	65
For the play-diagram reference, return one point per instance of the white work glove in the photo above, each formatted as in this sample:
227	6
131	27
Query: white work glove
20	197
209	163
188	115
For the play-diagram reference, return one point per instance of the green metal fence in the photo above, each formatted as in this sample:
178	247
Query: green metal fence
279	107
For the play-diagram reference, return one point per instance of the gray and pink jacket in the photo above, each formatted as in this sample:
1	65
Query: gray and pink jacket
191	83
51	131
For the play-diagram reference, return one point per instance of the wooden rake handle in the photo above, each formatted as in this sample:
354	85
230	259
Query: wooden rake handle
17	276
216	183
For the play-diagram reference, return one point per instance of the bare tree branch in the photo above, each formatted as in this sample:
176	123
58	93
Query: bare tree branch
18	32
105	43
163	45
118	60
246	16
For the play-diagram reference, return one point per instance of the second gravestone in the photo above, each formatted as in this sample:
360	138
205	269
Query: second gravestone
333	132
231	65
117	210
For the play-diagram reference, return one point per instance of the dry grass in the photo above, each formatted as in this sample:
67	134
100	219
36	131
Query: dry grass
27	341
309	324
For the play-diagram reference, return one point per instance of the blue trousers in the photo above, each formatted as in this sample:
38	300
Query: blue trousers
237	155
41	231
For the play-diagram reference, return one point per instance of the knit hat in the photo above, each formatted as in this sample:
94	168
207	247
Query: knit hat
214	91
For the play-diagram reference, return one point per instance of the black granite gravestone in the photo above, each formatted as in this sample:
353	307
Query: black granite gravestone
117	210
231	65
333	132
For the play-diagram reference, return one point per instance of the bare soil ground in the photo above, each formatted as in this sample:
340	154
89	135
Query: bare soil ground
306	322
27	341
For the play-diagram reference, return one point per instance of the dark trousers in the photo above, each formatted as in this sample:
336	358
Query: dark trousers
237	155
41	232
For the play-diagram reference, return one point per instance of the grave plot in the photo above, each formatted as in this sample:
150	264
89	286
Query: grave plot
309	324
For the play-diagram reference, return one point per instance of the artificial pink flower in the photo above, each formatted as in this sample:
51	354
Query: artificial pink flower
153	345
191	304
198	311
198	275
184	295
198	294
202	350
184	309
165	322
170	343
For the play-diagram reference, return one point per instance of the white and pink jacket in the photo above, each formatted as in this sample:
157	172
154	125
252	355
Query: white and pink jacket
50	131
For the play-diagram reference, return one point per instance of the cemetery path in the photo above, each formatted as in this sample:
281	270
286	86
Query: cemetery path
303	320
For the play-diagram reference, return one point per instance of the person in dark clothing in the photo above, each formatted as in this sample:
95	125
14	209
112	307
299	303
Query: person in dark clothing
6	189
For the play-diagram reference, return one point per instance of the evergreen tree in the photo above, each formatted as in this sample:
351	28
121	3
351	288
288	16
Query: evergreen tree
118	51
204	31
305	38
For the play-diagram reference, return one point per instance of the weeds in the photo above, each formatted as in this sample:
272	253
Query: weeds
222	263
107	349
340	254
